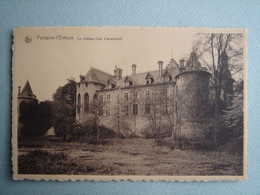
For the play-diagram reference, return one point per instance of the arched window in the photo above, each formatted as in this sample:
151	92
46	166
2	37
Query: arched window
79	103
86	102
96	103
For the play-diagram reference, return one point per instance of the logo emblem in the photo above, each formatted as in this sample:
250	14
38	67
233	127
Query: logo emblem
28	39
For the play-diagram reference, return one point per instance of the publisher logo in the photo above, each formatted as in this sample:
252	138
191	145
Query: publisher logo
28	39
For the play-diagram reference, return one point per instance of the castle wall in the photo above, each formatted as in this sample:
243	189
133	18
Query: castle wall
114	108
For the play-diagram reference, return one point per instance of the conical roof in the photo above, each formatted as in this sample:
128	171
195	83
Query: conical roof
27	90
193	61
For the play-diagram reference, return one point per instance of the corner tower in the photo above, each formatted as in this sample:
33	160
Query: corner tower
27	94
192	100
87	92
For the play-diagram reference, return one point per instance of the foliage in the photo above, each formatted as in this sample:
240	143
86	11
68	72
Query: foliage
64	108
221	54
232	117
35	119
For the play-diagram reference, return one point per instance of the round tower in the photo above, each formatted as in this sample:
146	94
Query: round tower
192	100
26	95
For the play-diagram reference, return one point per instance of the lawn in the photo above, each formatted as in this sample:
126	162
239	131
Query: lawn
136	156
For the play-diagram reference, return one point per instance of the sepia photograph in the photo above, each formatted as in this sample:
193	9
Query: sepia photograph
129	103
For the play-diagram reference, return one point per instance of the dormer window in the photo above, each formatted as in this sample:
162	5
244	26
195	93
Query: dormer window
111	83
128	81
167	76
111	86
149	78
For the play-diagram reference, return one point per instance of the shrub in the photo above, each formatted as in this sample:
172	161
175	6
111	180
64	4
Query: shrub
35	119
43	162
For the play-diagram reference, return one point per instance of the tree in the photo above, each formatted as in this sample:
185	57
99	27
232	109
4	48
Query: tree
219	52
35	119
233	116
160	112
64	108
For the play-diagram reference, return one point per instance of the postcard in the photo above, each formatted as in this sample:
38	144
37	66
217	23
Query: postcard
129	103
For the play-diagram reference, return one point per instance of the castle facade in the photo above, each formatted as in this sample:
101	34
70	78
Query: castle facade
174	98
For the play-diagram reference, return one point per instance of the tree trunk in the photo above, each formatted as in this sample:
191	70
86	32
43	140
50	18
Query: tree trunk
217	115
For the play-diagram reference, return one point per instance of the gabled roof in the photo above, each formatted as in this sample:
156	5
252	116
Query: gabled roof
97	76
172	64
111	81
167	74
149	76
128	79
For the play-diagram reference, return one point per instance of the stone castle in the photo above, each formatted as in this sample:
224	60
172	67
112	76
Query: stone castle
175	97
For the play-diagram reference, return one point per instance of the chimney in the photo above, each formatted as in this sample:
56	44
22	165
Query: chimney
81	78
118	73
19	90
160	63
133	69
181	63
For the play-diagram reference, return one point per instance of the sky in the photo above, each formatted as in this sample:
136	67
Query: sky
54	54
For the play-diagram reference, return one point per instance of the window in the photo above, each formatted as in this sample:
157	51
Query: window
118	98
126	109
86	102
147	94
164	94
135	96
147	108
86	84
127	84
108	98
79	103
125	97
135	109
149	81
101	98
100	111
117	110
167	79
107	111
164	109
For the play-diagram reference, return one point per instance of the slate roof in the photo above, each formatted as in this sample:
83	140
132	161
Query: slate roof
193	61
27	91
97	76
149	76
112	81
128	79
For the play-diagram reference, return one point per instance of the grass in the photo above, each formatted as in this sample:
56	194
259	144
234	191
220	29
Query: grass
135	156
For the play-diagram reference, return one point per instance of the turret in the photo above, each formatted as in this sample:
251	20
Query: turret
192	100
